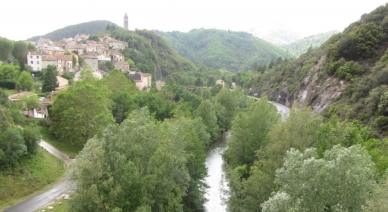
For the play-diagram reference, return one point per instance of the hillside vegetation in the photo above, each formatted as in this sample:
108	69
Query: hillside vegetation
91	27
220	49
152	54
346	76
301	46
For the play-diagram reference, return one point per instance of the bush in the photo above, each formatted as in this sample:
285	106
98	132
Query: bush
348	70
7	84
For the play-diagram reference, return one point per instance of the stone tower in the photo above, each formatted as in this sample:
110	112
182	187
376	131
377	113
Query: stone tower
126	21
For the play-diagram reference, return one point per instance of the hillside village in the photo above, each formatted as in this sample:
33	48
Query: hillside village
67	54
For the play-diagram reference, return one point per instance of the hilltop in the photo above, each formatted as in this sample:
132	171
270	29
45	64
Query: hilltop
302	45
91	27
220	49
276	34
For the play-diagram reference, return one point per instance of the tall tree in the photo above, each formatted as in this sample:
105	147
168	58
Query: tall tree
50	81
20	53
207	113
81	112
298	131
6	47
249	133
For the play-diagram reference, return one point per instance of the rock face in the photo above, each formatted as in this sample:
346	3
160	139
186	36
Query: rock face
313	92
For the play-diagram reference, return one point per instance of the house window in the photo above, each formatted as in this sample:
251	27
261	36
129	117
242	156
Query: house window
38	69
37	57
31	56
37	62
32	62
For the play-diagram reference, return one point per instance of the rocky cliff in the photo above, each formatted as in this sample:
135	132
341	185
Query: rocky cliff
312	93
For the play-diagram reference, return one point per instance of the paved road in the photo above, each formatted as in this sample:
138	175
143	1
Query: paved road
63	187
282	109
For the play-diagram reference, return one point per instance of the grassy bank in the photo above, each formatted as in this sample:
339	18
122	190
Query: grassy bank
63	207
30	177
70	149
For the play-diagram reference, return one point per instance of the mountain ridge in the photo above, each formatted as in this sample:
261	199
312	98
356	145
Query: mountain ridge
221	49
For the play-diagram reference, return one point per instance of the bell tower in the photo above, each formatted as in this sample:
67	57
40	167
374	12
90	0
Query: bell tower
126	21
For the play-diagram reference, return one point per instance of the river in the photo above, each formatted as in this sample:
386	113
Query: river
216	175
216	179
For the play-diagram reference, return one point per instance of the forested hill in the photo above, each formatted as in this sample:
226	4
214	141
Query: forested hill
91	27
151	54
219	49
346	76
301	46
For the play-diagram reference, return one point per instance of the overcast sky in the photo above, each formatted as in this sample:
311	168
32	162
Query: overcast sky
21	19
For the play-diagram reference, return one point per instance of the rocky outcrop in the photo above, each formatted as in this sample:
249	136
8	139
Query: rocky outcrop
314	92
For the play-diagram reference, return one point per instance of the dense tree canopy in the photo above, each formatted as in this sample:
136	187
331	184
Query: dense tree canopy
6	47
50	81
25	81
20	53
340	181
81	112
139	165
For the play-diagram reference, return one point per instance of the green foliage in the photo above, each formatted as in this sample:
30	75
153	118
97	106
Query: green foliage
150	53
208	115
93	37
298	131
378	200
25	82
31	137
226	105
106	66
12	147
221	49
249	133
20	53
81	112
29	176
301	46
348	70
151	171
9	72
89	28
6	47
50	81
332	183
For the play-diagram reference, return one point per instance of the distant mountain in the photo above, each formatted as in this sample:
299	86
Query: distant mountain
91	27
220	49
275	33
301	46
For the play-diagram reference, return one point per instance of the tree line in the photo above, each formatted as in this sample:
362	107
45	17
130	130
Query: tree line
304	163
143	151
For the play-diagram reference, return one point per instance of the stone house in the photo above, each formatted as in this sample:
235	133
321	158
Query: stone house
64	63
78	49
142	80
32	113
116	44
54	50
91	60
48	60
117	57
123	66
103	57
